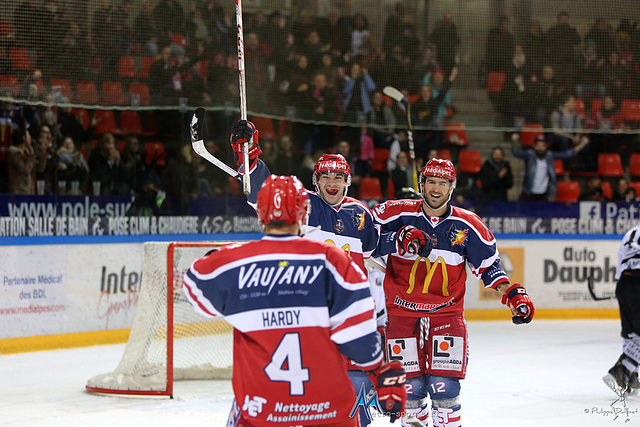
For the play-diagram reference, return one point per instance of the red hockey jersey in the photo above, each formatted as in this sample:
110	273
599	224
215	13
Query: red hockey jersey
435	286
297	306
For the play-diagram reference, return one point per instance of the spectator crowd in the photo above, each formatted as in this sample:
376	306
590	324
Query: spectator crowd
326	74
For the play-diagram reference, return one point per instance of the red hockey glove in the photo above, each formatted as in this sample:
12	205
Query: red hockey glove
518	301
414	241
389	381
241	132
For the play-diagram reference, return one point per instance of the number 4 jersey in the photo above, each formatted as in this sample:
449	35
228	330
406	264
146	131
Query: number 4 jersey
296	306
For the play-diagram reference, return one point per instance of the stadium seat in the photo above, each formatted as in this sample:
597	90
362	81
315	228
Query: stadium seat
634	166
155	151
11	83
610	165
596	105
391	189
457	134
495	81
630	110
444	153
636	186
234	186
559	167
130	123
87	93
145	63
380	157
264	126
65	87
141	89
127	67
113	94
568	191
6	29
20	60
580	108
470	161
370	188
107	122
529	134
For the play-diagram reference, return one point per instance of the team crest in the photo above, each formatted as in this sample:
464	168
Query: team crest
339	226
358	220
458	237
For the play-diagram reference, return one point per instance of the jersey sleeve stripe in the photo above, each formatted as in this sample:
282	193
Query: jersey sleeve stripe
354	332
372	365
197	299
353	321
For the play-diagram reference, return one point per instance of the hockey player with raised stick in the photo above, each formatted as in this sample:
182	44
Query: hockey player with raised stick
297	307
429	244
343	221
622	378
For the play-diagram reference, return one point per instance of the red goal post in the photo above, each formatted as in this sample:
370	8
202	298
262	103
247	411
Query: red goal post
169	340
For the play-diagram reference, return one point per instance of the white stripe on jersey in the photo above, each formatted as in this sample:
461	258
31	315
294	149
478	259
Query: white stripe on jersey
358	307
278	318
414	214
197	299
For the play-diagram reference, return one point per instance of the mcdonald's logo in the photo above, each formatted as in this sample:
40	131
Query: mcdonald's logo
431	269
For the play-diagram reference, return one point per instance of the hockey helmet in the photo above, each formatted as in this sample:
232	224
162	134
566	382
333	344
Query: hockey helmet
440	168
332	163
282	200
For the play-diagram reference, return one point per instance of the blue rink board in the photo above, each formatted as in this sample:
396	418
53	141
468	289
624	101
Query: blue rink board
79	240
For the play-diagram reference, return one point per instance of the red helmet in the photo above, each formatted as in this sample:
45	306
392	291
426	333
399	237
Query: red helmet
332	163
440	168
282	200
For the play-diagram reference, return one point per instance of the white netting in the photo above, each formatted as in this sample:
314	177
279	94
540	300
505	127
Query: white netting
202	347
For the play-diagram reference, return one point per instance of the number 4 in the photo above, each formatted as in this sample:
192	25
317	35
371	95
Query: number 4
288	352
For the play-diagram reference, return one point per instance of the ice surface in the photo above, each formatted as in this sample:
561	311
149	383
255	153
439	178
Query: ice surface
547	373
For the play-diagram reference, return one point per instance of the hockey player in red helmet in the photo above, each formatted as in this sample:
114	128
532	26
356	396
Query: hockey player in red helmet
332	178
430	246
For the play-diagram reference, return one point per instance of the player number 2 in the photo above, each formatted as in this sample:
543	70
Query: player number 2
288	352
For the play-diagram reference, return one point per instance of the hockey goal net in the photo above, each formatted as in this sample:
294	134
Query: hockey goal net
169	340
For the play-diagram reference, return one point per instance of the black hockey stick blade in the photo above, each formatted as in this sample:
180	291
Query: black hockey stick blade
590	288
197	142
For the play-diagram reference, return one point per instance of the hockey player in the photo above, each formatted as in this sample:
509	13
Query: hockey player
340	220
622	378
428	243
297	306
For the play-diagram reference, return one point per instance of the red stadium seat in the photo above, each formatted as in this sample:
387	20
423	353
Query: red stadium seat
610	165
559	167
607	192
596	105
580	108
444	153
130	123
636	186
529	134
568	191
145	63
495	82
20	60
107	122
470	161
630	109
127	67
155	151
87	93
380	157
141	89
113	94
264	126
457	134
370	188
65	87
11	83
634	165
83	115
391	189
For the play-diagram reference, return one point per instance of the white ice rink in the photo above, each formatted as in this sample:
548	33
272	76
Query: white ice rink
547	373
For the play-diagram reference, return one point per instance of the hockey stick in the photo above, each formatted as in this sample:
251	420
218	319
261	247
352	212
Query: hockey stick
590	287
246	179
197	142
375	264
403	102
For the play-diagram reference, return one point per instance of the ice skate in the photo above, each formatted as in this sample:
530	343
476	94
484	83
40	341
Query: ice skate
622	381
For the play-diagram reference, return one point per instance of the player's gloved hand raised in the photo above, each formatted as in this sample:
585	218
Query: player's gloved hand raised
244	131
517	299
414	241
389	381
